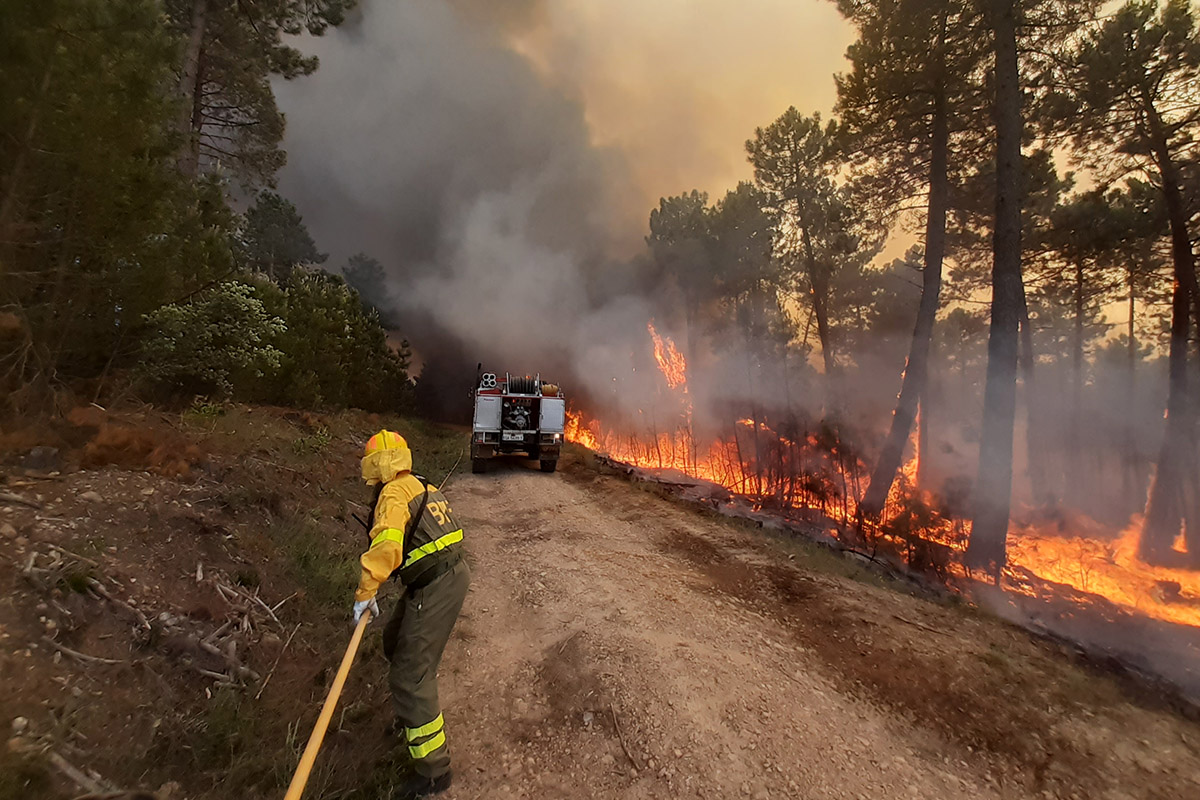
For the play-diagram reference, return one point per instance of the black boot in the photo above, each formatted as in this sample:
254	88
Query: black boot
415	786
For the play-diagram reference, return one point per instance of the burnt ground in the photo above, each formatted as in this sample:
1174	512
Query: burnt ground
614	645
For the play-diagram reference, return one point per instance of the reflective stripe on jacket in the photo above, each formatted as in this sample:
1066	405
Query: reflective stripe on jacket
398	502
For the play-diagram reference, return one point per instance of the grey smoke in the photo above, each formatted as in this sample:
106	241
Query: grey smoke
425	142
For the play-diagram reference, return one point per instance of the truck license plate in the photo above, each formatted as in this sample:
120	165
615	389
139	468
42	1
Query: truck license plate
513	436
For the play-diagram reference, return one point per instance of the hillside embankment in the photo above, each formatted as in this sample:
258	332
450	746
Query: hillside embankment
175	602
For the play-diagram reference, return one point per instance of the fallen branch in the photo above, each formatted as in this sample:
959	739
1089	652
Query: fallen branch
27	479
9	497
224	627
208	673
78	776
232	593
76	556
97	587
210	648
621	736
276	664
266	608
84	657
279	605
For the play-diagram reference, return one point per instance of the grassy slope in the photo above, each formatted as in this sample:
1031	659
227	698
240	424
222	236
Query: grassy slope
268	508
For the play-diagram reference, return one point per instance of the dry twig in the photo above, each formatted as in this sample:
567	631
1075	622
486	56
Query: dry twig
208	673
620	735
9	497
224	627
99	589
279	605
75	556
77	776
446	479
84	657
276	664
266	608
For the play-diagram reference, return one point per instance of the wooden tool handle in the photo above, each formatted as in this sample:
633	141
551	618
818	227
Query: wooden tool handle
300	778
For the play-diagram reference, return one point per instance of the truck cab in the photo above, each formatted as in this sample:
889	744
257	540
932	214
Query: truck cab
517	416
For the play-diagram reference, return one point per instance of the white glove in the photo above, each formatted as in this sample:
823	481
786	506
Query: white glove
364	605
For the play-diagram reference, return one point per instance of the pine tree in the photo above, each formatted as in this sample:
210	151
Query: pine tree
275	240
231	49
910	105
825	225
1124	87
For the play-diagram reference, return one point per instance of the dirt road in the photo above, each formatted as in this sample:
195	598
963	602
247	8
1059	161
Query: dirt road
617	645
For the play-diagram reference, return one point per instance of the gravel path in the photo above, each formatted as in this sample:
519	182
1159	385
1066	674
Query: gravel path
617	645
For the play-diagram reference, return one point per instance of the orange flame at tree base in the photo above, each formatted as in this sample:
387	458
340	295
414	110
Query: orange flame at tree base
760	465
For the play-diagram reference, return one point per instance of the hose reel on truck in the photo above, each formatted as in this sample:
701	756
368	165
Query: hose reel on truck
517	416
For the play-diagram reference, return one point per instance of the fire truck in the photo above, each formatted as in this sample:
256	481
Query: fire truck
517	416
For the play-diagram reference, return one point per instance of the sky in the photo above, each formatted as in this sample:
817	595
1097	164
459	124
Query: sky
665	92
677	86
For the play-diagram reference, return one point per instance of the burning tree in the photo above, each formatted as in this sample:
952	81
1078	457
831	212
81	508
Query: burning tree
1131	81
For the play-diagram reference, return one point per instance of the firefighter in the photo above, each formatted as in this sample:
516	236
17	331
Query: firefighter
415	539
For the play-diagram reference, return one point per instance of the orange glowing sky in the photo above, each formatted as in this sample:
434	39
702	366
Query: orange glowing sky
678	86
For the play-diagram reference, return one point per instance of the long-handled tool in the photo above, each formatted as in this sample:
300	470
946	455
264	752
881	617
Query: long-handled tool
300	778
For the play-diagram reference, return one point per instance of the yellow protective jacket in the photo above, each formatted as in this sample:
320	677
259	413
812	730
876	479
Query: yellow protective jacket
398	502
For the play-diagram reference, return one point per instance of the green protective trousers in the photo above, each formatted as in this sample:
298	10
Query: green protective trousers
413	641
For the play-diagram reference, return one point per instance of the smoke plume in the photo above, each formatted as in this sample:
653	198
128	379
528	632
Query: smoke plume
500	158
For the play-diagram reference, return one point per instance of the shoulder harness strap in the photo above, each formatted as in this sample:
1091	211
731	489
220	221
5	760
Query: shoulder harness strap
416	518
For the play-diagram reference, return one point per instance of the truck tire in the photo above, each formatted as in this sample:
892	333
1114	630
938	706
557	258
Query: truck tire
478	465
549	465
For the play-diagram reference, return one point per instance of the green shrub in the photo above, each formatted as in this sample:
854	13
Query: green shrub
202	345
312	443
335	352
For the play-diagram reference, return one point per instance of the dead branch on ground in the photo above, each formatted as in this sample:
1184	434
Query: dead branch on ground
84	657
620	735
94	785
9	497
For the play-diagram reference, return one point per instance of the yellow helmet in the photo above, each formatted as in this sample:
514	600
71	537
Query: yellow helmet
386	456
385	440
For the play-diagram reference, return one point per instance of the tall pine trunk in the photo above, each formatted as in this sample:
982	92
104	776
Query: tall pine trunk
189	90
1074	487
1035	439
1172	500
917	369
1132	482
993	486
819	283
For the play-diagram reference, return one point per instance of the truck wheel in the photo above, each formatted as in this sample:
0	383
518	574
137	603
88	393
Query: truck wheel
549	465
478	465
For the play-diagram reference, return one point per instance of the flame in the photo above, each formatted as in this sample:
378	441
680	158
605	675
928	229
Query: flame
671	362
1110	569
804	471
